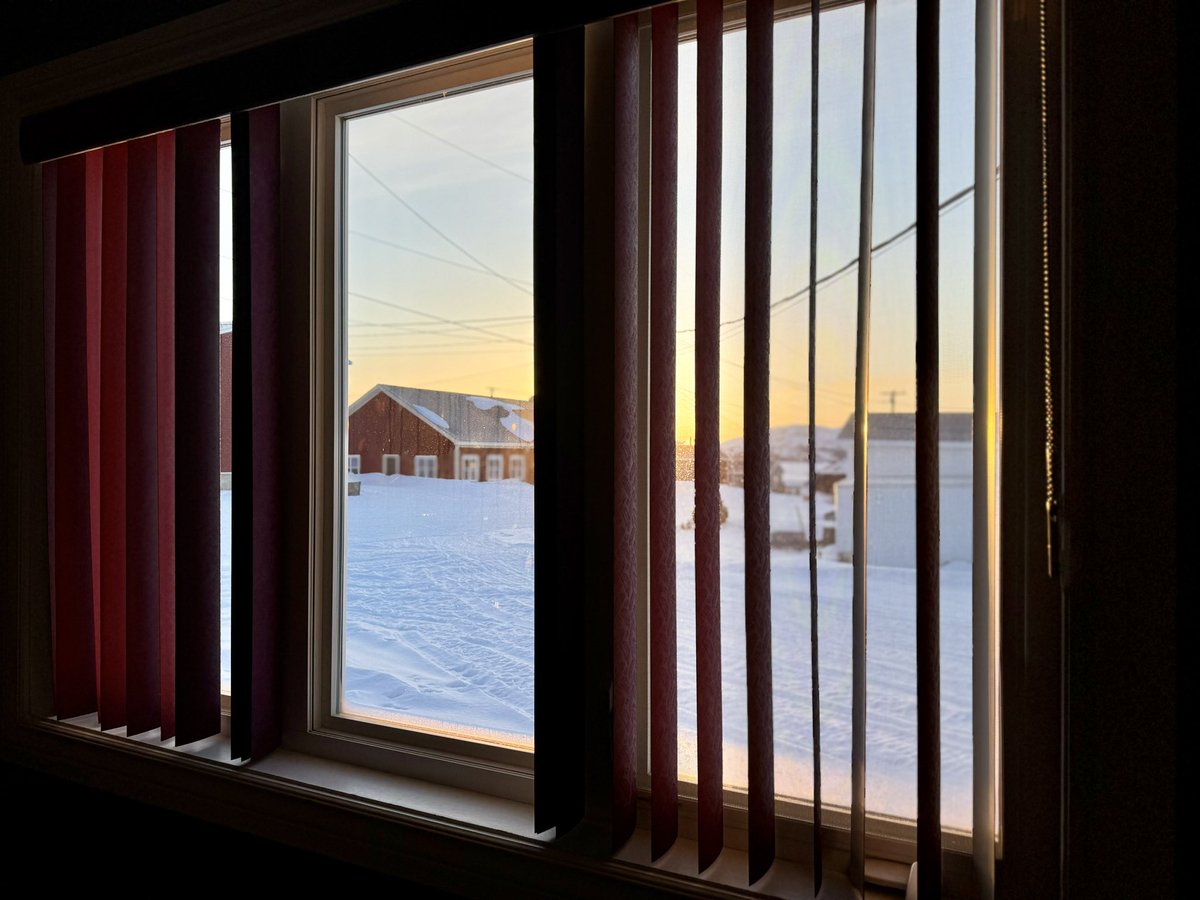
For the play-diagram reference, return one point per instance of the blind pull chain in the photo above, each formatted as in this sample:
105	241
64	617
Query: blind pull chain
1052	541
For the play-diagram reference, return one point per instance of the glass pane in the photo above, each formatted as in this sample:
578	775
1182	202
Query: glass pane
891	666
438	592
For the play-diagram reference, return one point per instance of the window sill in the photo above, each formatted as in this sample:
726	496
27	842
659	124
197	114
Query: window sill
428	833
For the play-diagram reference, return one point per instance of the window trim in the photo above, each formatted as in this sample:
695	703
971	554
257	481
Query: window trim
503	771
354	463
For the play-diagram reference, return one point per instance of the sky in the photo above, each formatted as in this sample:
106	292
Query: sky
439	216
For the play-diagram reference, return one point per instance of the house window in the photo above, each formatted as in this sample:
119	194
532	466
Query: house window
432	178
495	467
354	464
469	467
516	468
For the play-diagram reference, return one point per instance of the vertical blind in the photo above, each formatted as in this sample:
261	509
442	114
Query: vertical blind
662	689
131	284
111	242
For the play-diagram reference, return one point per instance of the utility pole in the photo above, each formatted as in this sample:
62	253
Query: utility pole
892	395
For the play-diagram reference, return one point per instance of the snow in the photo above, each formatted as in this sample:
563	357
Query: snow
486	403
431	416
439	632
522	428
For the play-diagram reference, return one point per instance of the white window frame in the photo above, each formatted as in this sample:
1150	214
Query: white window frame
471	461
394	459
495	460
425	466
517	466
354	463
446	757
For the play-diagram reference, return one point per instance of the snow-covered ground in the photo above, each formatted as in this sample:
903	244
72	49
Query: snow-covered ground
439	629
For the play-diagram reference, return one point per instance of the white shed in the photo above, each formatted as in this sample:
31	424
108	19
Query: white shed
892	490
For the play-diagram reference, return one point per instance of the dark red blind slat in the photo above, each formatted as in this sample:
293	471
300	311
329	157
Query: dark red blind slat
664	764
626	88
165	383
93	211
49	322
929	832
112	439
257	508
757	452
197	440
710	779
142	677
74	635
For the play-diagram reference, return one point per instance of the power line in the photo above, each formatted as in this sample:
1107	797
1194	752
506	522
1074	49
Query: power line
461	149
418	312
882	247
449	240
433	256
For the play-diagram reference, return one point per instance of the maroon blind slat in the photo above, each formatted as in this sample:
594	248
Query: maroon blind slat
814	633
112	438
561	726
257	523
929	832
197	439
49	323
74	635
143	706
757	459
93	212
664	138
165	383
710	779
626	89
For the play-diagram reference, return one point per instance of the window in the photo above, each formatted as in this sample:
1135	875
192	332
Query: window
495	467
469	467
354	464
349	637
516	468
429	279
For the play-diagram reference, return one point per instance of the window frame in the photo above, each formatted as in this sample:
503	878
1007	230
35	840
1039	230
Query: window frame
443	756
425	461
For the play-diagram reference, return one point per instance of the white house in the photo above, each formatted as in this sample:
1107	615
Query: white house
892	490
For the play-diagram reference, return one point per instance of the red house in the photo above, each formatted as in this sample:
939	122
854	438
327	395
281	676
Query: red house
439	434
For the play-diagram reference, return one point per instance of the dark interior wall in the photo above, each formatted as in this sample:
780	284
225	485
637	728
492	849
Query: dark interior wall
1121	466
59	826
37	32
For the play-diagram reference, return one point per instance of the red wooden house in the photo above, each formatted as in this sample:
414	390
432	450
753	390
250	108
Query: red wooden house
439	434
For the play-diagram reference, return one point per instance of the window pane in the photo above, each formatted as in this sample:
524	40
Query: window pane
891	657
438	589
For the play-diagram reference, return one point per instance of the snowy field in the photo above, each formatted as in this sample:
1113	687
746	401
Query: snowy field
439	630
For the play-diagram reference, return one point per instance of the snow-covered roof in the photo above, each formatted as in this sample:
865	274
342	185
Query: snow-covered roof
464	418
954	427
